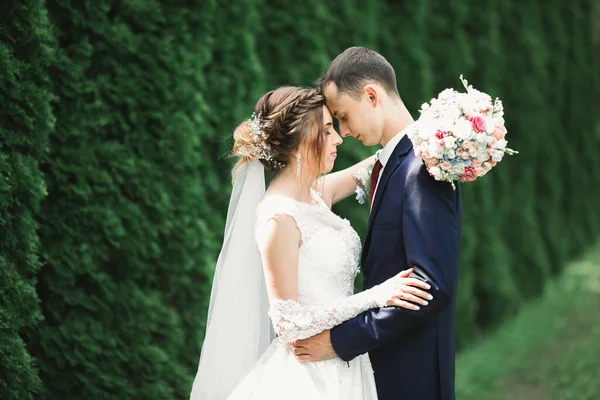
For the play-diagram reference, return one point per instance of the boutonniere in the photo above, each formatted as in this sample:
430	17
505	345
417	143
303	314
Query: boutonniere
361	177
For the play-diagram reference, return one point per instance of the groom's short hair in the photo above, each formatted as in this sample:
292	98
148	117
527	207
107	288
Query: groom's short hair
357	66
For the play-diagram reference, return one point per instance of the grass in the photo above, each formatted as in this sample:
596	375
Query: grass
550	350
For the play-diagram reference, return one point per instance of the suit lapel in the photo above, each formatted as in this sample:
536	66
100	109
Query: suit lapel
402	148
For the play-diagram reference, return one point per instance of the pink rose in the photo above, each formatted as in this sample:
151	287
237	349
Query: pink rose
499	132
478	123
431	162
475	163
445	166
468	145
439	134
469	175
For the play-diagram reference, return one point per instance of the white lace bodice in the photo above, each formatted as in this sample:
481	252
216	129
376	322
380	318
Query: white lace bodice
327	266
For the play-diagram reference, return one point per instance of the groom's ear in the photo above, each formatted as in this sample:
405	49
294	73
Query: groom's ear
372	95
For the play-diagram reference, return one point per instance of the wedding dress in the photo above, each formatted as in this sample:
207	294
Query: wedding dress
241	358
327	266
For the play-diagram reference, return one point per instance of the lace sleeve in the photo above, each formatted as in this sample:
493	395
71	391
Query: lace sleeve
294	321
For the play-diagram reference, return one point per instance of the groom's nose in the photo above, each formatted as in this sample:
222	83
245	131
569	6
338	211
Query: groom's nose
344	130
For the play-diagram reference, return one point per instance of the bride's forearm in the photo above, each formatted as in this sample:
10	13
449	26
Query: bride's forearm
339	185
293	321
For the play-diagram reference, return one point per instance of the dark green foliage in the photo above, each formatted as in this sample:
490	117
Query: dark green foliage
25	121
122	232
146	94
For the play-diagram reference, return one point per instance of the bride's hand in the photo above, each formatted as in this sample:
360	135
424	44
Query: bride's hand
406	292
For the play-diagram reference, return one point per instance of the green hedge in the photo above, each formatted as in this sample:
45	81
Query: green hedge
123	233
26	52
145	95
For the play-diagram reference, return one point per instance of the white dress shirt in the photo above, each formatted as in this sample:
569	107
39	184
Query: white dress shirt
385	155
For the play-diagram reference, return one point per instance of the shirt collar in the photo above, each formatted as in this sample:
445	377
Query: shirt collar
387	151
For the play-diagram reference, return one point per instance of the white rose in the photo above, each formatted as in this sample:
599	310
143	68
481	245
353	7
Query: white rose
436	172
464	130
484	139
500	144
425	128
482	155
435	150
449	142
458	169
497	156
469	106
446	94
413	133
451	154
489	125
452	113
424	133
416	140
447	124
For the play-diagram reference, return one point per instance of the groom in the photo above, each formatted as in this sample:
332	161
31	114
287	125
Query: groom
415	222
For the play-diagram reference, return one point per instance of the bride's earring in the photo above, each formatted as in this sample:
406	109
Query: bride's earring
298	157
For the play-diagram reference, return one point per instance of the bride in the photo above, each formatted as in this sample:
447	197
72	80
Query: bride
288	263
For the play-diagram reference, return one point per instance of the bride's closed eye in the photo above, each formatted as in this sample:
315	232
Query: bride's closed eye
328	127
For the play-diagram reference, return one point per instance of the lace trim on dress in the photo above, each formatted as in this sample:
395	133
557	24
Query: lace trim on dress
294	321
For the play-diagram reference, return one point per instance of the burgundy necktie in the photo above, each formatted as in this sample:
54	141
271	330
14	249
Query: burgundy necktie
374	179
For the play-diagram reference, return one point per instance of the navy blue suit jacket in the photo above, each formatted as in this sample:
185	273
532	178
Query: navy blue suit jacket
415	222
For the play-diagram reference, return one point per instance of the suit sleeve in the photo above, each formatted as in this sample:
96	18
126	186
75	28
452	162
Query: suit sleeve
431	230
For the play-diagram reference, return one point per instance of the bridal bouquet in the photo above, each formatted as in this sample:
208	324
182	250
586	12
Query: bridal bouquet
460	136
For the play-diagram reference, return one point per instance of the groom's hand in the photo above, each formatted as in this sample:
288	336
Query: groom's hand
316	348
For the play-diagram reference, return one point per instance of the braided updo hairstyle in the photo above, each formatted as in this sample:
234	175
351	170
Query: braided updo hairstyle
288	116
